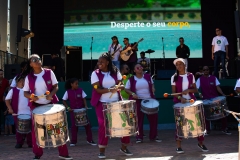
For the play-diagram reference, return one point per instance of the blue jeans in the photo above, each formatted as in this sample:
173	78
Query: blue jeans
9	120
219	55
117	64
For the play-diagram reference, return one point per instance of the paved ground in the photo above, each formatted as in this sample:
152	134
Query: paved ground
221	147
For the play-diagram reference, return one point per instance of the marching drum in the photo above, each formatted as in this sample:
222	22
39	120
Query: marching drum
80	117
149	106
120	118
189	118
24	124
214	108
50	123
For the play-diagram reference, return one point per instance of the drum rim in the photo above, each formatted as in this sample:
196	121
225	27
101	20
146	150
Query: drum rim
63	109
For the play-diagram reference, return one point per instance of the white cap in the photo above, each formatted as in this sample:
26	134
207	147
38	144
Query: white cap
178	60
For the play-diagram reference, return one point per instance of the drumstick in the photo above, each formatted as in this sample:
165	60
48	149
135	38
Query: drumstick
173	94
230	95
190	101
117	87
41	96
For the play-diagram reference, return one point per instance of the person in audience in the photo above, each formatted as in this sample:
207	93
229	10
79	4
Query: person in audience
126	75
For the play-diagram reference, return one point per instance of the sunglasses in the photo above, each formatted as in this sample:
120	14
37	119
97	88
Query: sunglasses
35	60
205	69
138	68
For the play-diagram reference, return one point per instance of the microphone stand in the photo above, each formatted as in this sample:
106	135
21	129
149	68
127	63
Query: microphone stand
163	61
90	72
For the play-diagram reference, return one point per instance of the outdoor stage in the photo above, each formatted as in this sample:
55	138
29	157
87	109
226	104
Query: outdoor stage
166	115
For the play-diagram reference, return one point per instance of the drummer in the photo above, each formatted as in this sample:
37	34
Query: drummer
38	81
140	87
125	72
18	104
184	83
210	87
77	100
103	80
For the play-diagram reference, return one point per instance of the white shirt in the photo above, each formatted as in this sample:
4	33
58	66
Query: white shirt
13	84
198	82
237	84
142	88
219	43
184	84
40	86
23	107
107	82
116	55
65	96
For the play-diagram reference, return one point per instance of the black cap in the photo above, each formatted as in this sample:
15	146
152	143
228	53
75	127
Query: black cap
142	52
114	37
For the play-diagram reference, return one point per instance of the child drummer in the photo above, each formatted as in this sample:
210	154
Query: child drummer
77	100
209	86
37	82
184	83
18	104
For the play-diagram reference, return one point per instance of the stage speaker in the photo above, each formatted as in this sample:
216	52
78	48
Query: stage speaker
74	62
19	27
11	70
165	74
237	24
46	60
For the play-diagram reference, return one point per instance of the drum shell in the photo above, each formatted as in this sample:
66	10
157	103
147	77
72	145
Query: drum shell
51	130
148	110
80	116
24	125
214	108
190	121
120	118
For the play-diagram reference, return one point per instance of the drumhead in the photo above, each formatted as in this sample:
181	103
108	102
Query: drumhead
150	103
79	110
181	105
24	116
48	109
206	101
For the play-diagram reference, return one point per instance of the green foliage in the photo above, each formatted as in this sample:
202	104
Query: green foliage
111	16
133	16
175	3
169	15
100	17
192	15
180	15
144	16
123	17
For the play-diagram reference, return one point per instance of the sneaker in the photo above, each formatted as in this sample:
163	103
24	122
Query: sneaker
65	157
92	143
207	133
144	136
226	132
101	156
72	145
138	141
179	150
126	152
18	146
158	140
203	148
36	157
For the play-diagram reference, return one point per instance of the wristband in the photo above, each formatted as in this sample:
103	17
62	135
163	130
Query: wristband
179	97
68	108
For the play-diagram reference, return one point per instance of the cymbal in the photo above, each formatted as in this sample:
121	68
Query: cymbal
149	51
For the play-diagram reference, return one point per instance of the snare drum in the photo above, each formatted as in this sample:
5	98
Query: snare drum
120	118
149	106
51	128
80	117
189	118
23	124
214	108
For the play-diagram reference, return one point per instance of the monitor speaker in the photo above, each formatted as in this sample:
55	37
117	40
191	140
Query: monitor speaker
165	74
11	70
